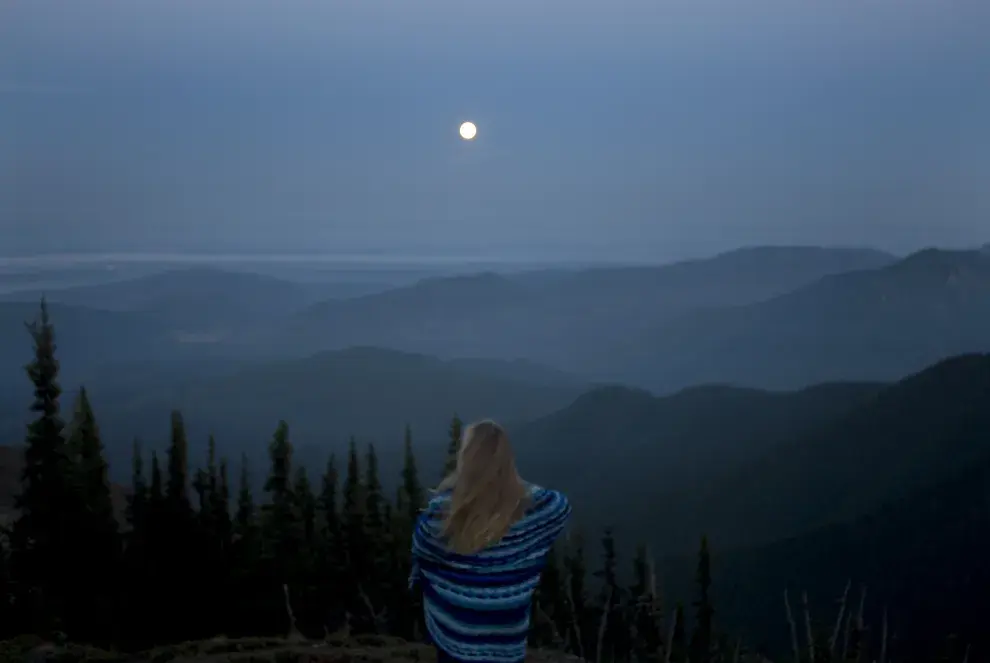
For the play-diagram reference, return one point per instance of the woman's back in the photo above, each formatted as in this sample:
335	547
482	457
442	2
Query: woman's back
478	604
478	550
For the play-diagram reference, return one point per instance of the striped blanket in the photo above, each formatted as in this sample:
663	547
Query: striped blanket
477	607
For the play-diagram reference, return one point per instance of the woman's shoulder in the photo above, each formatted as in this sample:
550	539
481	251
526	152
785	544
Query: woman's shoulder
437	505
544	500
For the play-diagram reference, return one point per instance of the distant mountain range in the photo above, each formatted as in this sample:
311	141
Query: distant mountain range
906	554
748	467
872	324
369	393
559	317
595	322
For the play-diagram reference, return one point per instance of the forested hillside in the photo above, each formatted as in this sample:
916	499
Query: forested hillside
197	551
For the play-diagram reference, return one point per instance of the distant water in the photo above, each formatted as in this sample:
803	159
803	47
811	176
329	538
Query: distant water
63	260
48	273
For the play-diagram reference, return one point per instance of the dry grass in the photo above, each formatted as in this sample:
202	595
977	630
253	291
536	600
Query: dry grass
354	649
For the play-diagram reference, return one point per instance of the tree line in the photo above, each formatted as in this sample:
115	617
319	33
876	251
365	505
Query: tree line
196	554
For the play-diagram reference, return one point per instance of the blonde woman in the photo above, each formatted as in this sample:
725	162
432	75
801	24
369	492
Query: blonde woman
479	548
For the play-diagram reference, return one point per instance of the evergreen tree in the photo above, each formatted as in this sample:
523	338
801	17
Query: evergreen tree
701	639
137	501
575	572
251	594
206	485
374	520
214	539
92	476
549	622
156	526
177	492
453	445
355	540
178	540
647	617
281	525
244	521
410	499
44	533
353	511
376	583
329	513
678	640
98	552
411	496
306	507
156	495
615	638
221	508
138	589
331	559
8	626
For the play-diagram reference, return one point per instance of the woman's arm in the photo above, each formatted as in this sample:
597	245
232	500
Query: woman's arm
423	540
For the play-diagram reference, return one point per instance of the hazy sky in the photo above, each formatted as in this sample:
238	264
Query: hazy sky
639	127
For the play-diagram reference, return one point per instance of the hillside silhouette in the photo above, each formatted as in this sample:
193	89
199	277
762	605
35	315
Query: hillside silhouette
872	324
312	459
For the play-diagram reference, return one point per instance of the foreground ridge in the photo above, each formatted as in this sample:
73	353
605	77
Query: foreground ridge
334	649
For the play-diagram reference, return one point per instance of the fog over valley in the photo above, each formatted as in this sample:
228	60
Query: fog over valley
720	271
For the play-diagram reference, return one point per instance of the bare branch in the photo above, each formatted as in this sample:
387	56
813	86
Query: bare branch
575	622
807	627
293	630
606	608
793	626
670	638
838	621
377	617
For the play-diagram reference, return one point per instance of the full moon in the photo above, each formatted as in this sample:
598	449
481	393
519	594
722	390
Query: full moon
468	130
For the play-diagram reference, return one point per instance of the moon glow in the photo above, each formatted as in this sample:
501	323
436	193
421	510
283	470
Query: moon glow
468	131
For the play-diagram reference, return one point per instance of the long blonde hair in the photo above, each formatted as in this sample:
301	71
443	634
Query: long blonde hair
488	495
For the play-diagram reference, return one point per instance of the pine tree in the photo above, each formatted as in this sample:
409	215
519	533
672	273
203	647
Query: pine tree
331	546
329	513
701	638
549	622
356	558
99	551
411	495
8	626
43	534
306	507
281	525
678	640
155	518
138	590
374	520
213	538
244	521
179	543
615	636
353	511
250	593
406	606
92	475
575	572
454	445
137	501
221	508
647	617
156	495
177	492
206	485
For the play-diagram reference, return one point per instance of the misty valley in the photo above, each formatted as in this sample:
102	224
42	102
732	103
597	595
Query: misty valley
795	438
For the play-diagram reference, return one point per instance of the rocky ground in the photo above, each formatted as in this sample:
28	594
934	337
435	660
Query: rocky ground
356	649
